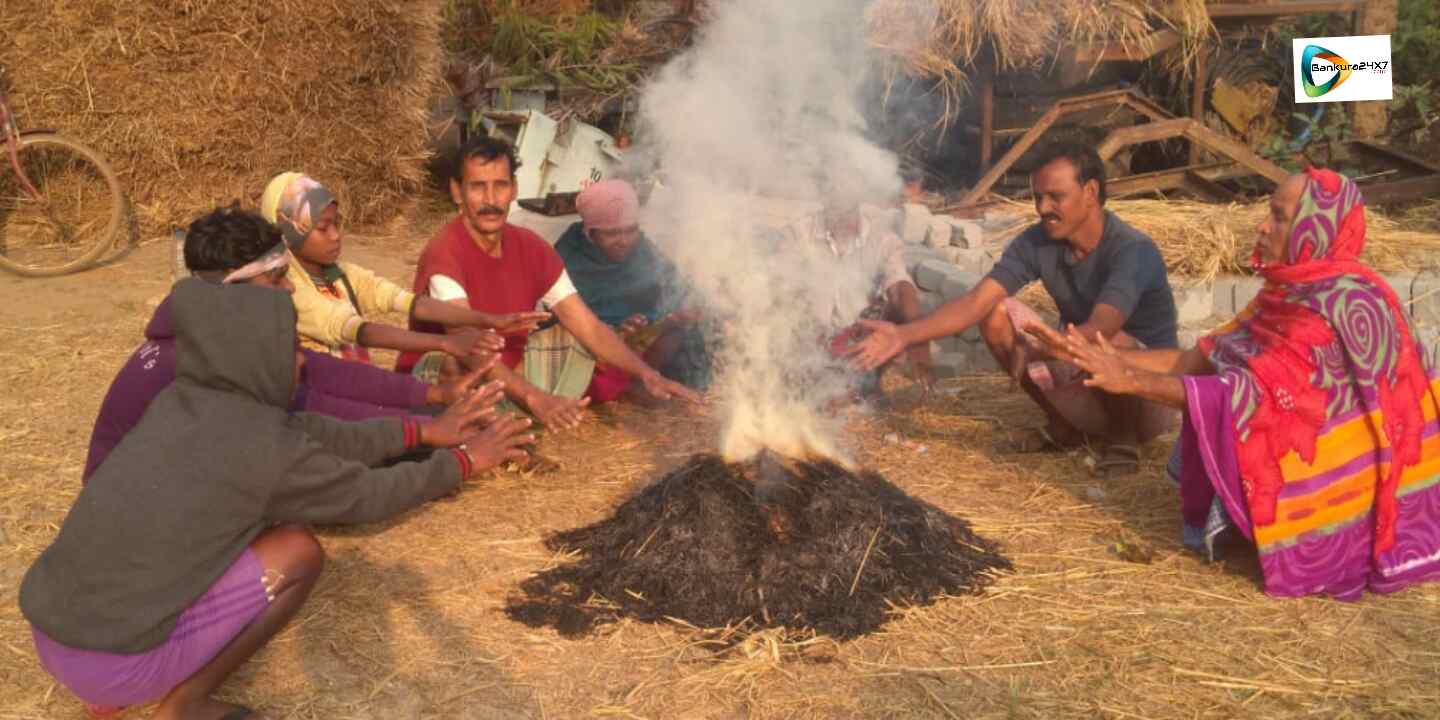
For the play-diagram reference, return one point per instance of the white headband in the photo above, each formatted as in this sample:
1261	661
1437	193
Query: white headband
277	257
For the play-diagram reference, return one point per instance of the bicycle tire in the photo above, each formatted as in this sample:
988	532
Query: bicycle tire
58	235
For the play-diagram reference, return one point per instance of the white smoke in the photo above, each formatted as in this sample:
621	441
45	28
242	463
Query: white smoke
749	129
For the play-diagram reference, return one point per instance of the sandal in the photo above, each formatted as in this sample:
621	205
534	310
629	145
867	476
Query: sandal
239	713
1041	440
1119	459
100	711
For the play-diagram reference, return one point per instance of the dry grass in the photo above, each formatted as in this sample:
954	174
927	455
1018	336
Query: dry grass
198	102
1021	35
407	620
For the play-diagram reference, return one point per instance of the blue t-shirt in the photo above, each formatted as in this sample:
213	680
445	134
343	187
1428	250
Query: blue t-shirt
1124	271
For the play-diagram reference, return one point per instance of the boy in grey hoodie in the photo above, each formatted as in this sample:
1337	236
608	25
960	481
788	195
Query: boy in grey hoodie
177	564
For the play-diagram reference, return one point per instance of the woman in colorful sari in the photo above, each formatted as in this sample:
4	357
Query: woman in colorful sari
1310	419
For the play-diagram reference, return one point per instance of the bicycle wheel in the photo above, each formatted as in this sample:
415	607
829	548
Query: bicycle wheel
73	219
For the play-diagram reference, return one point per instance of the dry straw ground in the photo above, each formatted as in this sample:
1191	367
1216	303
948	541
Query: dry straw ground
201	101
1105	615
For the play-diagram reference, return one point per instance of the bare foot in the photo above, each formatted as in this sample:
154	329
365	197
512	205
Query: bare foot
172	708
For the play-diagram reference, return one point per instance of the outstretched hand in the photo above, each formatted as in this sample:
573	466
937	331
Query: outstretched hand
632	325
558	413
1052	341
1108	370
882	344
663	388
473	347
462	418
515	323
458	388
498	444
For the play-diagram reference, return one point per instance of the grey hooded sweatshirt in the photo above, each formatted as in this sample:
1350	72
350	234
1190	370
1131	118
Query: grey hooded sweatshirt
215	460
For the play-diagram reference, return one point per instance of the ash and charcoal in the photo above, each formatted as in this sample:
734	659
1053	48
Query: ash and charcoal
768	543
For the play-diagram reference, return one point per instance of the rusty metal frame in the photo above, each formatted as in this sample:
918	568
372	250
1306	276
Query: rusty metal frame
1196	133
1127	98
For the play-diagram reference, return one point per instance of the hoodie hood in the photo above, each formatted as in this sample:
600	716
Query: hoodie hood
235	338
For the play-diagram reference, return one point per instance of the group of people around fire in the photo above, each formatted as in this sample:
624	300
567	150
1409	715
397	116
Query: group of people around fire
1307	424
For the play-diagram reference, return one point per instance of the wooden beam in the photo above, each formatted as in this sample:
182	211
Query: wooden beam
1060	108
1142	49
1197	99
1278	9
1196	133
987	116
1400	190
1394	156
1225	147
1175	178
1136	134
1204	187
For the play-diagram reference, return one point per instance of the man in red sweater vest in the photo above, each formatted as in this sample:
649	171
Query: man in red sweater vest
481	261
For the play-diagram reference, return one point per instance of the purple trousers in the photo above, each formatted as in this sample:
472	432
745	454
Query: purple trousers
201	632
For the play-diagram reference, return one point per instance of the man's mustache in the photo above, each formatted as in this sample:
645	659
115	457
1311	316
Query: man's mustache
489	210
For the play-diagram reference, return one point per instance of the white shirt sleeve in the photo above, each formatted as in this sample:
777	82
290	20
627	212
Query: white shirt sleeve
563	288
445	289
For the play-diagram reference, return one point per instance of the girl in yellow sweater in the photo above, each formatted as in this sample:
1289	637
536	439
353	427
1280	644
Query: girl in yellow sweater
335	300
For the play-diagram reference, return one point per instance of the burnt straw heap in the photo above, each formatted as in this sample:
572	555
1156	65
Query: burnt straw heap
769	543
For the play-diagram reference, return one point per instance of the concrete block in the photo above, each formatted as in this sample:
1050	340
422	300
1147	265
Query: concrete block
949	344
966	233
1429	339
957	283
1424	299
914	255
1194	303
930	274
938	236
974	260
929	301
915	223
1233	293
949	365
1190	335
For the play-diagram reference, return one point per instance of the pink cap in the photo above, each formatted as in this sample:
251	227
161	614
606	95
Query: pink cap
607	205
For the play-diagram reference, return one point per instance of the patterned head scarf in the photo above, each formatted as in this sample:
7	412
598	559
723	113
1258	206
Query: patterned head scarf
1325	338
293	202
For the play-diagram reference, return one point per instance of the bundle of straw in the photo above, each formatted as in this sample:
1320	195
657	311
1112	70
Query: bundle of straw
942	39
199	102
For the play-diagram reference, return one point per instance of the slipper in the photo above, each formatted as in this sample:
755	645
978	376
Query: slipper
100	711
1041	440
1119	459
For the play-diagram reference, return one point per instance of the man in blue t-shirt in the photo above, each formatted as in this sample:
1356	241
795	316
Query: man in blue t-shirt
1106	277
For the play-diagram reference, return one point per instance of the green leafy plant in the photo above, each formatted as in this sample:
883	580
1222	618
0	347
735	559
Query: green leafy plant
1413	112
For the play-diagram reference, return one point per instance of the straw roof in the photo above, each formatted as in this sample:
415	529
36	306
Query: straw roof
198	102
944	39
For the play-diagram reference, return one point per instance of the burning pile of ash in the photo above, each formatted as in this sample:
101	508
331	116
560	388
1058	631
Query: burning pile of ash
805	545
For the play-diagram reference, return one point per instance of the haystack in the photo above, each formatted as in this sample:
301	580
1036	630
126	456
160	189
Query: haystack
199	102
768	543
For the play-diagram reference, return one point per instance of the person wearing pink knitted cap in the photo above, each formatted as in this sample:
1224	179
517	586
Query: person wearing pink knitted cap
482	262
632	287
